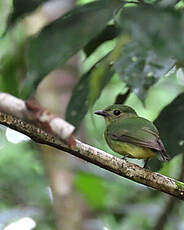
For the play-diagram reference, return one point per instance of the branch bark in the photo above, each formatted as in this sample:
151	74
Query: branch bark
89	153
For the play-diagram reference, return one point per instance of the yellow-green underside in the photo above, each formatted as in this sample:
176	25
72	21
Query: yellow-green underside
131	150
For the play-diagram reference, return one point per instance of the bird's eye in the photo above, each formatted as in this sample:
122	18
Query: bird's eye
116	112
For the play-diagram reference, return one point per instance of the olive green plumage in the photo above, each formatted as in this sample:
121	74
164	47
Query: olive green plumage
130	135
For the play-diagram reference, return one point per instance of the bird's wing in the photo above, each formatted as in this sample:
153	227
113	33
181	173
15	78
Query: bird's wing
138	131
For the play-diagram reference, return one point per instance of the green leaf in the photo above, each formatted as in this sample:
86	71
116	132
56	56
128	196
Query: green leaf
100	76
109	33
8	76
171	128
65	37
162	31
78	104
12	64
140	68
121	98
93	188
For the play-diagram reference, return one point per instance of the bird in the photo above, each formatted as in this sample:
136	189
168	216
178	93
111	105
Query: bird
130	135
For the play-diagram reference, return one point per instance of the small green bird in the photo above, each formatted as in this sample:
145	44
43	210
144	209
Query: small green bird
130	135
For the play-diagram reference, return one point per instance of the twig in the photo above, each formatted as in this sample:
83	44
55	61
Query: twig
97	157
33	112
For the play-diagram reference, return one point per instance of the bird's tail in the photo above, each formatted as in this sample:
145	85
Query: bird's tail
164	156
163	153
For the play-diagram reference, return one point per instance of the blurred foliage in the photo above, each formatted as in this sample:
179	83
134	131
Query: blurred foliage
21	8
60	38
13	63
121	98
4	9
127	47
102	73
109	33
174	143
23	184
140	68
90	185
163	38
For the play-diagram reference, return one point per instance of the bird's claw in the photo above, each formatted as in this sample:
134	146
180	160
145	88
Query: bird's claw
125	156
146	164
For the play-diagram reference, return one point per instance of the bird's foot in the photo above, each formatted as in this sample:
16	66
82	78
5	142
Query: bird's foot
125	156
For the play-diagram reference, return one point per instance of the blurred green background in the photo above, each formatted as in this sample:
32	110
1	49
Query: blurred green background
69	193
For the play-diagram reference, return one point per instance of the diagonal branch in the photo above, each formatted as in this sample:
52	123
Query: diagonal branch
91	154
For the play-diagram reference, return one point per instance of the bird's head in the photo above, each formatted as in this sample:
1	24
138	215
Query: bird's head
117	111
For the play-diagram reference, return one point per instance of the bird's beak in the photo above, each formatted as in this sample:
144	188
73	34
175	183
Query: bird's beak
101	113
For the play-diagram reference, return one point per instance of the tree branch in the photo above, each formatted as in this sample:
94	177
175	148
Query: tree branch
92	155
